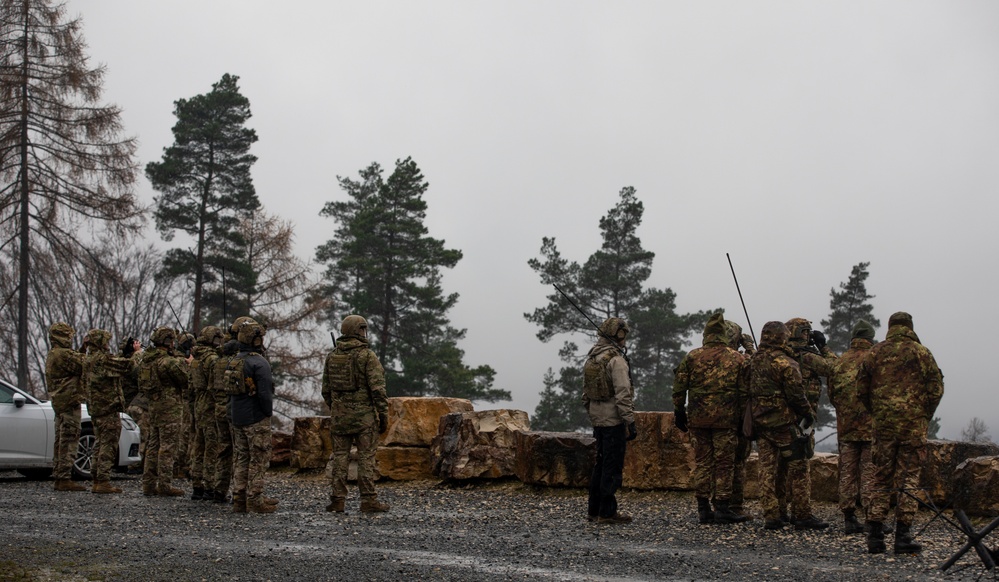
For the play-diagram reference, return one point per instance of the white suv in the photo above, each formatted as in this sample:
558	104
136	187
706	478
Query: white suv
27	435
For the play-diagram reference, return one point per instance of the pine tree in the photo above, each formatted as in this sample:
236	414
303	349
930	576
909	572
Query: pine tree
382	265
206	189
63	162
848	306
609	284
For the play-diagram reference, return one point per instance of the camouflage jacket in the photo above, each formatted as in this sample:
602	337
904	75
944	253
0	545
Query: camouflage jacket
619	408
103	375
202	367
164	372
853	421
63	376
355	411
900	384
772	379
814	367
228	351
708	380
247	409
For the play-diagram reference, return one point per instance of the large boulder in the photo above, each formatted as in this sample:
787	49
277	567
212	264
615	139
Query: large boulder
823	469
413	421
480	444
976	486
280	448
311	443
943	459
562	459
661	457
404	463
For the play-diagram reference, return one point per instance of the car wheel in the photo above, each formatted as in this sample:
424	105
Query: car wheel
36	474
84	453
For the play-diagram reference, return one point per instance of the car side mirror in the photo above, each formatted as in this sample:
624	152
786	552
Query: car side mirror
19	400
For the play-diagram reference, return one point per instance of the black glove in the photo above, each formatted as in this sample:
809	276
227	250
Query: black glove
818	339
680	419
807	421
382	423
632	432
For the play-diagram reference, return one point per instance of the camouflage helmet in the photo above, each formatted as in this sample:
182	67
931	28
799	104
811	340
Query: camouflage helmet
251	333
614	328
185	340
900	318
352	326
774	334
163	336
800	330
211	336
733	332
98	339
62	330
234	328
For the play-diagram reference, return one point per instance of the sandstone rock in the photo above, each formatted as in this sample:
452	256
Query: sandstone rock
413	421
661	457
554	458
280	448
823	469
752	487
943	459
481	444
310	442
976	486
404	463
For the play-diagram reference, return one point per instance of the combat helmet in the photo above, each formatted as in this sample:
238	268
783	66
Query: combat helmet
614	328
250	333
163	336
800	330
61	334
211	336
98	339
354	326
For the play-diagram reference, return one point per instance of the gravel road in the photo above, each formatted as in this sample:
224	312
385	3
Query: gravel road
484	531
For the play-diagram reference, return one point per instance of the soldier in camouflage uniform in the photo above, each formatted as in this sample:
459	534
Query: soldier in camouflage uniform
103	375
162	378
202	375
854	429
773	381
900	385
354	389
63	372
608	396
182	458
220	450
136	402
707	379
251	412
743	445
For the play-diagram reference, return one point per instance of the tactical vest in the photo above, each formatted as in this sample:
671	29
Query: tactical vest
149	377
234	378
341	371
597	384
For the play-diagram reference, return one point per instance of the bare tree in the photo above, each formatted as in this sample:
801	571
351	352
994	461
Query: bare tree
63	163
976	432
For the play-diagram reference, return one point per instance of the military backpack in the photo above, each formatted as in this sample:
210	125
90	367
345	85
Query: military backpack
340	371
596	383
234	378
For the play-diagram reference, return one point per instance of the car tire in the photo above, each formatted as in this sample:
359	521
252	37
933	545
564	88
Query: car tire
36	474
85	453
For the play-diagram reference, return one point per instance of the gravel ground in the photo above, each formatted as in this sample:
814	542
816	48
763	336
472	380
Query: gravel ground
484	531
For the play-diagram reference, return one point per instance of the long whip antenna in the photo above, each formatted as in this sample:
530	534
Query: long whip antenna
736	279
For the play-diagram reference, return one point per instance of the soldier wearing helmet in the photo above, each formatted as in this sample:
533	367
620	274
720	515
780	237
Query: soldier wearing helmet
744	445
354	389
221	471
204	435
103	374
162	378
63	374
250	412
609	400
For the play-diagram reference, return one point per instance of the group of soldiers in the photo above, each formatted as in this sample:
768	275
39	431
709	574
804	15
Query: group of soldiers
204	406
727	394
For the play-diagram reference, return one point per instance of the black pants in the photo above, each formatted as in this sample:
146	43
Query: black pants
606	477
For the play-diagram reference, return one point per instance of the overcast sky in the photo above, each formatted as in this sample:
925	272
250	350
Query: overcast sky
800	137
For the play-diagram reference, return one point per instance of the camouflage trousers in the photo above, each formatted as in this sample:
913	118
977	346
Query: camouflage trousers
67	441
856	476
220	448
161	443
141	417
781	475
714	455
107	431
185	436
743	447
897	464
203	466
252	448
367	470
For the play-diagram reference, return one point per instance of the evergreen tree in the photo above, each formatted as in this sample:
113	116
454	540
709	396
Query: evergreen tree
63	163
848	306
609	284
383	266
206	190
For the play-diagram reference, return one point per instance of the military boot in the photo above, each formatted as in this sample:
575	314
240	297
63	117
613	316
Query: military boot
704	513
168	491
903	540
68	485
239	502
810	522
198	494
336	504
149	489
220	497
104	487
256	504
875	538
372	505
851	525
724	514
268	500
